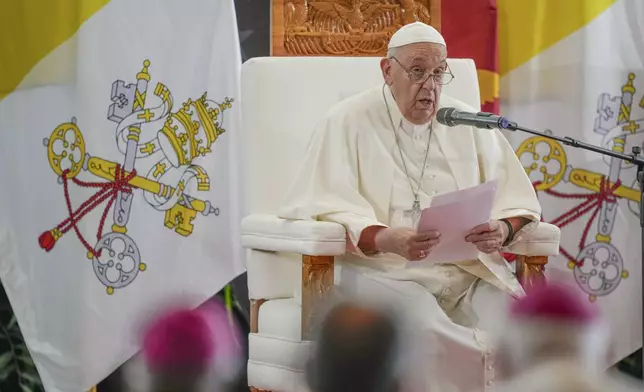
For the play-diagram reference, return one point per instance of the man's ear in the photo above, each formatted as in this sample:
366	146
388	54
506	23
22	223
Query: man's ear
385	67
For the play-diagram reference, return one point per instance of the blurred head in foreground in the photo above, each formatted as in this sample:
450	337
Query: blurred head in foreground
565	377
192	350
553	323
356	350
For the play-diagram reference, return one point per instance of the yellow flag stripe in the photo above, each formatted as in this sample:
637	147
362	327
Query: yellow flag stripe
528	27
31	29
488	85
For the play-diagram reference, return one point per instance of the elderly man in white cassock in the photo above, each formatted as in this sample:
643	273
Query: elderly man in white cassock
374	162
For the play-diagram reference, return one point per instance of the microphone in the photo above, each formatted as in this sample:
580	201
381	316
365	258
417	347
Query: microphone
452	117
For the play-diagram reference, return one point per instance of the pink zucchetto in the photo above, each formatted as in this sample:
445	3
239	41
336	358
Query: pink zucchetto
181	338
555	302
202	339
554	321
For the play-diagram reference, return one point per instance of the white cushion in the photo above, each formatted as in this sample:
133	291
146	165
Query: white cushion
274	378
278	340
313	238
279	352
277	356
280	318
542	241
284	98
272	275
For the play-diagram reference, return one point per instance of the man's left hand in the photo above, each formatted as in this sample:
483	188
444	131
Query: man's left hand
488	237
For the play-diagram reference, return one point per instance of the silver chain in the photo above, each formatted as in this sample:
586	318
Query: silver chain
422	173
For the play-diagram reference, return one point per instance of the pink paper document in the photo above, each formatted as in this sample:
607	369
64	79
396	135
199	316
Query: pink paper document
454	215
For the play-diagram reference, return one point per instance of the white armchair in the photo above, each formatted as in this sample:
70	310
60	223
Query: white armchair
291	263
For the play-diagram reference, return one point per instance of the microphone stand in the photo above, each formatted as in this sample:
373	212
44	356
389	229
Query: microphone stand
634	158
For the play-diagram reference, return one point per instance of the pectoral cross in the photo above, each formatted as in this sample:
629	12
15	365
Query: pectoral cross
414	213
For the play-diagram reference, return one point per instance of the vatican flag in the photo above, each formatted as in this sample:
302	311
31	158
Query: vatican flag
577	67
118	129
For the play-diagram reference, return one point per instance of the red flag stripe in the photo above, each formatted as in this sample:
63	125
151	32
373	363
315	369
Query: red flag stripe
470	29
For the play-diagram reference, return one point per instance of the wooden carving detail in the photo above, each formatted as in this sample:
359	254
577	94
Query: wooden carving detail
531	271
344	27
317	281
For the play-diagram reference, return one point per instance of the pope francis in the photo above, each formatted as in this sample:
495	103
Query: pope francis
374	162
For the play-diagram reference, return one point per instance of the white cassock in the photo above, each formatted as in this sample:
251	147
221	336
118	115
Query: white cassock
353	175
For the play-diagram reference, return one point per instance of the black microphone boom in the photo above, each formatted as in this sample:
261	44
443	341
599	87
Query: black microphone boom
452	117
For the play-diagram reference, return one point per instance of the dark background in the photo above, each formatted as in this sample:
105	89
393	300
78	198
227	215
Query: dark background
254	24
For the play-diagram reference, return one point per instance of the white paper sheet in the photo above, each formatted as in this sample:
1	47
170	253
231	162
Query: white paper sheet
454	215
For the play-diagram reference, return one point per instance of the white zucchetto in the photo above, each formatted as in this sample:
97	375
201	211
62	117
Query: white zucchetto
414	33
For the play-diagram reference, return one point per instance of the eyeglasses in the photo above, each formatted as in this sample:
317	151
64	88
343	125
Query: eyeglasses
419	76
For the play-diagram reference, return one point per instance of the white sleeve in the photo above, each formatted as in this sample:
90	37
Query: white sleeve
327	185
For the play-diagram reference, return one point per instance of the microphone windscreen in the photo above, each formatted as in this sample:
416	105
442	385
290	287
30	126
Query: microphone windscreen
443	115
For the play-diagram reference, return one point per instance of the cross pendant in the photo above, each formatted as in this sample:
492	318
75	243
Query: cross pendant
414	213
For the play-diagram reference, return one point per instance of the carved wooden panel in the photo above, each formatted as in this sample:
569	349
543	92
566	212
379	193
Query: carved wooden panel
344	27
317	281
531	271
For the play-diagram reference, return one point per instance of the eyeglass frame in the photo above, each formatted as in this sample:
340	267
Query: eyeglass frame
425	78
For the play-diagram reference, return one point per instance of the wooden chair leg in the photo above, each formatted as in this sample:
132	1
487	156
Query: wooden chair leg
531	271
254	314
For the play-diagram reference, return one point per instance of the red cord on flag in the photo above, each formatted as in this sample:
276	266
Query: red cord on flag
107	191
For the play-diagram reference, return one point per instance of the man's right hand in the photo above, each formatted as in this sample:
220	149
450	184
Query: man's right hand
406	242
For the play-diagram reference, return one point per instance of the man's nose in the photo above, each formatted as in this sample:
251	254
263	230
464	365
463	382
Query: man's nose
429	83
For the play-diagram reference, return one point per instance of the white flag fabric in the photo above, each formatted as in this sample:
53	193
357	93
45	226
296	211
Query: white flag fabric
580	73
119	178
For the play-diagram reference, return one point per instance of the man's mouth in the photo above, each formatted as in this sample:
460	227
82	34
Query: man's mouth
425	102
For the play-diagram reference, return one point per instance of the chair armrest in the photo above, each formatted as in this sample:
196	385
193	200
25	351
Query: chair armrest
542	241
307	237
317	242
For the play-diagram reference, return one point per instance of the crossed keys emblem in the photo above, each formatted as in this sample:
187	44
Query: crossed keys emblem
182	136
598	265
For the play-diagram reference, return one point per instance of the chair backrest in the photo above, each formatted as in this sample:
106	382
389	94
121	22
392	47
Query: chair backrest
284	98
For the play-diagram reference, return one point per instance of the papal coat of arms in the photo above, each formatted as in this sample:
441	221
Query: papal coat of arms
597	265
183	136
